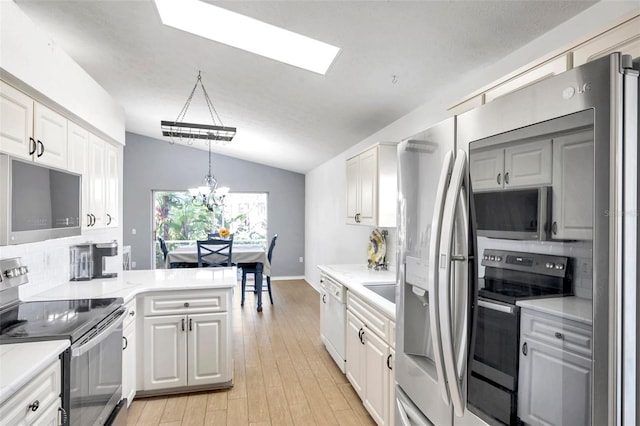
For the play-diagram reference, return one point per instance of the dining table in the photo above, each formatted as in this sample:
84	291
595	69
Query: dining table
187	256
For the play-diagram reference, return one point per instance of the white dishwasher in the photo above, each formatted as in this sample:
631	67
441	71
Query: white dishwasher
333	312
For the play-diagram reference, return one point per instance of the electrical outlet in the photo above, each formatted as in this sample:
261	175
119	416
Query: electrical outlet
300	259
133	265
133	231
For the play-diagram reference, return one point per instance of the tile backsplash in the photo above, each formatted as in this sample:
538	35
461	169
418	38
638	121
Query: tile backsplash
48	261
580	251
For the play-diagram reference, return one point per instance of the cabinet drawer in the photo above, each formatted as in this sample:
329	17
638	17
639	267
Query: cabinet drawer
186	302
392	334
373	319
557	332
131	313
45	389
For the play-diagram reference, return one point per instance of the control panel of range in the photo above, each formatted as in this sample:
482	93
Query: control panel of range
527	262
12	273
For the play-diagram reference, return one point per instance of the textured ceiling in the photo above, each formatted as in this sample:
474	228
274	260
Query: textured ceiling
287	117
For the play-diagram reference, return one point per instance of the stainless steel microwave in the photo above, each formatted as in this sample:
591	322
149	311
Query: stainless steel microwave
37	202
515	214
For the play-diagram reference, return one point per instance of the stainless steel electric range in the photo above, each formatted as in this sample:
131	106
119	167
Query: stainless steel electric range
92	366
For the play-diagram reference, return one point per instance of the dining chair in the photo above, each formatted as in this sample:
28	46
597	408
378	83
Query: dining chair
214	253
250	268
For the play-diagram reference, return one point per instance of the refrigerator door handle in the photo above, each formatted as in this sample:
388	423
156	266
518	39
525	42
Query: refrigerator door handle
409	414
432	277
449	219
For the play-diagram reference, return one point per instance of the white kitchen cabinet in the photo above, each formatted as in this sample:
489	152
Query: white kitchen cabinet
78	162
391	360
554	384
368	354
111	186
36	403
371	186
624	38
520	165
50	133
16	122
187	340
573	187
129	352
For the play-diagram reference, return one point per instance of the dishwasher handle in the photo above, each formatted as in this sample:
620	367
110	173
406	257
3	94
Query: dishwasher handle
116	318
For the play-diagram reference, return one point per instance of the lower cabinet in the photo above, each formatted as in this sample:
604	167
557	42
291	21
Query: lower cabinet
554	386
38	402
370	359
185	348
129	346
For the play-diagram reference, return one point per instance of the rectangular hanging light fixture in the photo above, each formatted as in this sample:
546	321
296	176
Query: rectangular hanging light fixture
233	29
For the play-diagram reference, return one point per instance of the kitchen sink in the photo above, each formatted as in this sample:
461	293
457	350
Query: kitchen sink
386	290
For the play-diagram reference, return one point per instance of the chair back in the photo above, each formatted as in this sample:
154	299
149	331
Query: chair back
163	247
271	246
214	252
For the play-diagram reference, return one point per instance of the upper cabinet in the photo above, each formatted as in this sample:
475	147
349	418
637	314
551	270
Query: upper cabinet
30	130
522	165
371	186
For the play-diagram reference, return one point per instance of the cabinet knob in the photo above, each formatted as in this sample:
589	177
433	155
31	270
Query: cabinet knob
132	312
524	349
499	178
559	335
506	178
186	304
34	405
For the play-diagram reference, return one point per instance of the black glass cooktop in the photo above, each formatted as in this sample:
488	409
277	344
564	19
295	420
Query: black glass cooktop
50	320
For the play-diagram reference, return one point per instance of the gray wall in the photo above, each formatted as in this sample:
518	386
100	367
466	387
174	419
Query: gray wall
152	164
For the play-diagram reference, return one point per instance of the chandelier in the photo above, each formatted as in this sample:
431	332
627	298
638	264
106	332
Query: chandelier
209	195
179	130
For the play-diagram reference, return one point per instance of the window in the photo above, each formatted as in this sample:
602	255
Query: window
179	222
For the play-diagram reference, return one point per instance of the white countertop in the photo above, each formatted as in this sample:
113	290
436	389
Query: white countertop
353	276
570	307
21	362
128	284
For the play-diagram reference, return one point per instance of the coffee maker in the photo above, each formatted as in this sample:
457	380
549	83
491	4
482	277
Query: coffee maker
100	252
81	259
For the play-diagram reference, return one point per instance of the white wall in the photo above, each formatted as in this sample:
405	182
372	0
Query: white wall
328	239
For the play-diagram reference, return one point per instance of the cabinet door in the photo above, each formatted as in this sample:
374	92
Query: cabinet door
50	416
392	385
353	171
368	187
129	364
554	386
96	197
78	162
486	168
527	164
376	377
624	38
16	122
165	352
573	187
208	349
111	186
355	354
50	132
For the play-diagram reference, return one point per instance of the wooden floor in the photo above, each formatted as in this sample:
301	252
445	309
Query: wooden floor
282	373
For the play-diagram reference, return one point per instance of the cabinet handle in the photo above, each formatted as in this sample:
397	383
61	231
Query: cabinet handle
559	335
182	324
108	219
34	405
32	146
126	343
360	334
324	297
362	337
88	219
554	228
389	362
506	178
42	149
190	324
499	178
132	313
186	304
63	416
524	349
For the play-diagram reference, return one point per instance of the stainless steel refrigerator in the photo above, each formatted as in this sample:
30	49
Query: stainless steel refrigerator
588	120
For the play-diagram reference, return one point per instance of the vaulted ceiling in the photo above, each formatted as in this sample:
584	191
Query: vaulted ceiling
394	56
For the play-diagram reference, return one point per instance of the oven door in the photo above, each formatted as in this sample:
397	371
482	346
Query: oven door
494	368
96	373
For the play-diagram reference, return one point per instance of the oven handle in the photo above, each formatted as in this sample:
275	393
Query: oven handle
496	307
453	204
79	350
432	277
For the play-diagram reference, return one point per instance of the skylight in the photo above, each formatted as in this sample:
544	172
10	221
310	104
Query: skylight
234	29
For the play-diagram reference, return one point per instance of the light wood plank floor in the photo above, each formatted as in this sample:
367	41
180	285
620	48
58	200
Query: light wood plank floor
282	373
